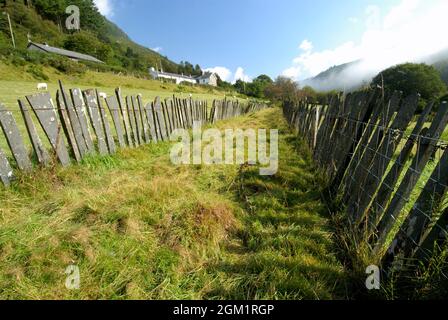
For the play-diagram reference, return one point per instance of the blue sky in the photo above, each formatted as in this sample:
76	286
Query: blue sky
245	38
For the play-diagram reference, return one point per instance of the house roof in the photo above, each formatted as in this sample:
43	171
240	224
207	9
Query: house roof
206	75
174	75
63	52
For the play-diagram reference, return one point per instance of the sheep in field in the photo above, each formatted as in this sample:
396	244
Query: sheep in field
42	87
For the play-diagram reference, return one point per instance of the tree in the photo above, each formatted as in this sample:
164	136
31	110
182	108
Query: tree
240	86
84	42
283	89
412	78
309	93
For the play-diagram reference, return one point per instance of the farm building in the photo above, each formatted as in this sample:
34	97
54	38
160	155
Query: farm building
207	78
177	78
33	46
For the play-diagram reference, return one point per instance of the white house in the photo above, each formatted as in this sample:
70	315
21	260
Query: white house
207	78
177	78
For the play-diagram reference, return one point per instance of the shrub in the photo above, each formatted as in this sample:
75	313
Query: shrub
37	72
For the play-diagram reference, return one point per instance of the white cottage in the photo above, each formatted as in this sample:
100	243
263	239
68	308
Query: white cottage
177	78
207	78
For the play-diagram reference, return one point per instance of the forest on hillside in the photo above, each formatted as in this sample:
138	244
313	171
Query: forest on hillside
44	21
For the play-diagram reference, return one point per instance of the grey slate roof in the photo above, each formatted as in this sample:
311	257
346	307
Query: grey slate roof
63	52
174	75
206	75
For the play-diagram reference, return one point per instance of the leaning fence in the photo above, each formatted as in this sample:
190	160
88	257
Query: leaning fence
387	166
83	123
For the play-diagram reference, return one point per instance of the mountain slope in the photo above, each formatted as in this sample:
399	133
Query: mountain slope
43	22
353	75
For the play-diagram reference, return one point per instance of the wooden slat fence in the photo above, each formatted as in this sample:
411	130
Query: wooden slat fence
78	125
389	168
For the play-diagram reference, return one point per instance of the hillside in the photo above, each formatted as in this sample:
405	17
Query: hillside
353	75
43	21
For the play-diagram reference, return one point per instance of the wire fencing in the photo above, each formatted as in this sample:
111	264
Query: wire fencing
388	168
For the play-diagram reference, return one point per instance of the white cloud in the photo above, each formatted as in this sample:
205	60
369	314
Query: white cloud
240	75
105	7
353	20
224	73
409	31
227	75
306	45
157	49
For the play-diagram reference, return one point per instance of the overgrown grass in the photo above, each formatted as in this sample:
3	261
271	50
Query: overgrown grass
139	227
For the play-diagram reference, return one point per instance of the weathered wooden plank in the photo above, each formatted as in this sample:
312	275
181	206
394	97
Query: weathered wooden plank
177	122
41	153
166	118
124	113
412	176
95	119
6	173
67	126
362	153
43	107
14	139
421	215
353	130
160	119
386	189
152	122
183	112
433	240
138	120
74	121
172	113
178	112
131	114
81	111
114	109
144	119
379	153
107	129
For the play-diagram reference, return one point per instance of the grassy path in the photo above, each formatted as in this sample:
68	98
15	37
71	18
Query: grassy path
140	228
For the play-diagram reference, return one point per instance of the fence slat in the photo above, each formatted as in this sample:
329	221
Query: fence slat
143	117
6	173
41	153
385	191
107	130
132	121
67	126
114	109
74	121
160	119
81	111
125	117
421	215
43	107
138	120
14	139
95	119
412	176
